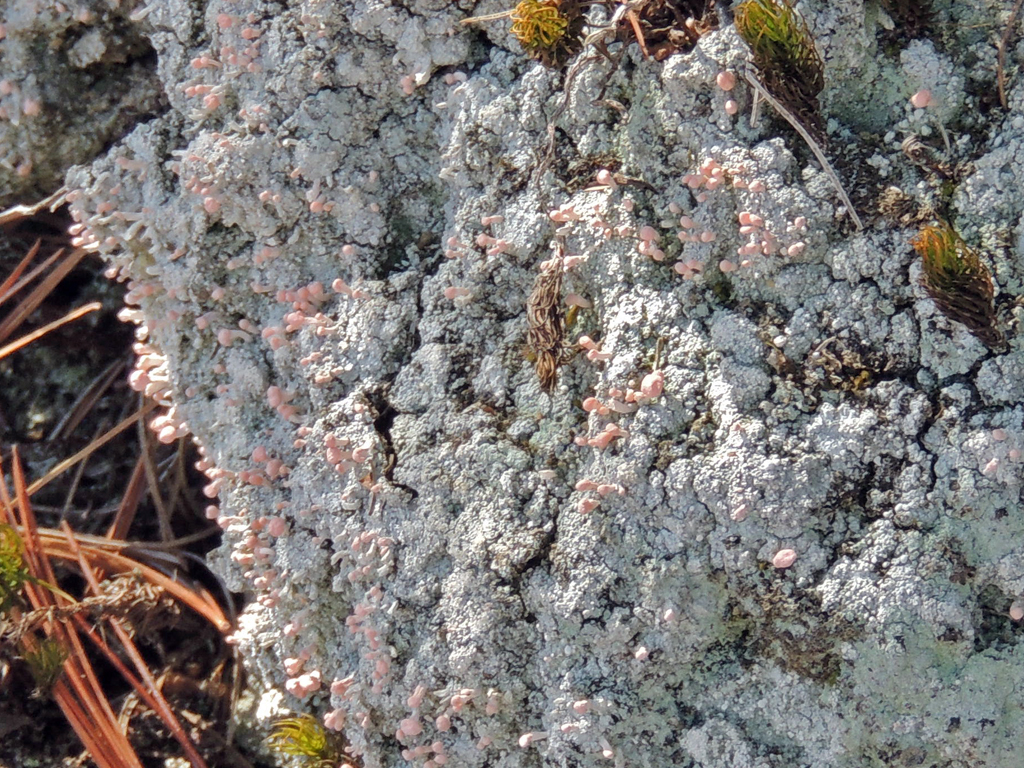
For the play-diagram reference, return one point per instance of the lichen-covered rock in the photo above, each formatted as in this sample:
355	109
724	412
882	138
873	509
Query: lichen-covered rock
769	513
74	78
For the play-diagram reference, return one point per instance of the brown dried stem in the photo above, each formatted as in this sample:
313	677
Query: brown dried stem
1001	53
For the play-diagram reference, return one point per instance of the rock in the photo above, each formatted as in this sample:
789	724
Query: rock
814	400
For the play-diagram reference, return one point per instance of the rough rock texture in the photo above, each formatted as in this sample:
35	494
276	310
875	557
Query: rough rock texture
416	516
74	77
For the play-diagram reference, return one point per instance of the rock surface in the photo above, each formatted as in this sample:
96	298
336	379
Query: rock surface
803	551
72	81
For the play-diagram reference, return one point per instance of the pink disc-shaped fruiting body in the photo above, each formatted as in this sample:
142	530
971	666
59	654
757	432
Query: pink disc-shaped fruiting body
784	558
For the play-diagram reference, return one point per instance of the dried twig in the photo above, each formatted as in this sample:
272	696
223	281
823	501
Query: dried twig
18	212
826	166
1001	53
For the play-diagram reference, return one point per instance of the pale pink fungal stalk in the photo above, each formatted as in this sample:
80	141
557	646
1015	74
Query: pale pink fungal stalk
528	739
784	558
575	300
606	179
564	213
500	246
415	699
340	687
493	704
303	685
226	337
31	107
653	384
731	107
922	99
454	292
411	726
681	269
649	234
335	720
1016	610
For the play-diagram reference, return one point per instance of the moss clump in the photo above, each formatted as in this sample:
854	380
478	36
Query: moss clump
958	282
304	736
13	573
550	31
786	58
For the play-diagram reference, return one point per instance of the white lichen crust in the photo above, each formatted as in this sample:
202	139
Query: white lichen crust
769	513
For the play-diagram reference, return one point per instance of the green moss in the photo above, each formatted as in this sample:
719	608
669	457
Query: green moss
957	281
785	56
303	736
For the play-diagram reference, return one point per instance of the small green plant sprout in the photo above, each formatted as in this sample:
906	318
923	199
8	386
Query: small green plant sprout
13	572
304	736
46	662
958	282
785	56
550	31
